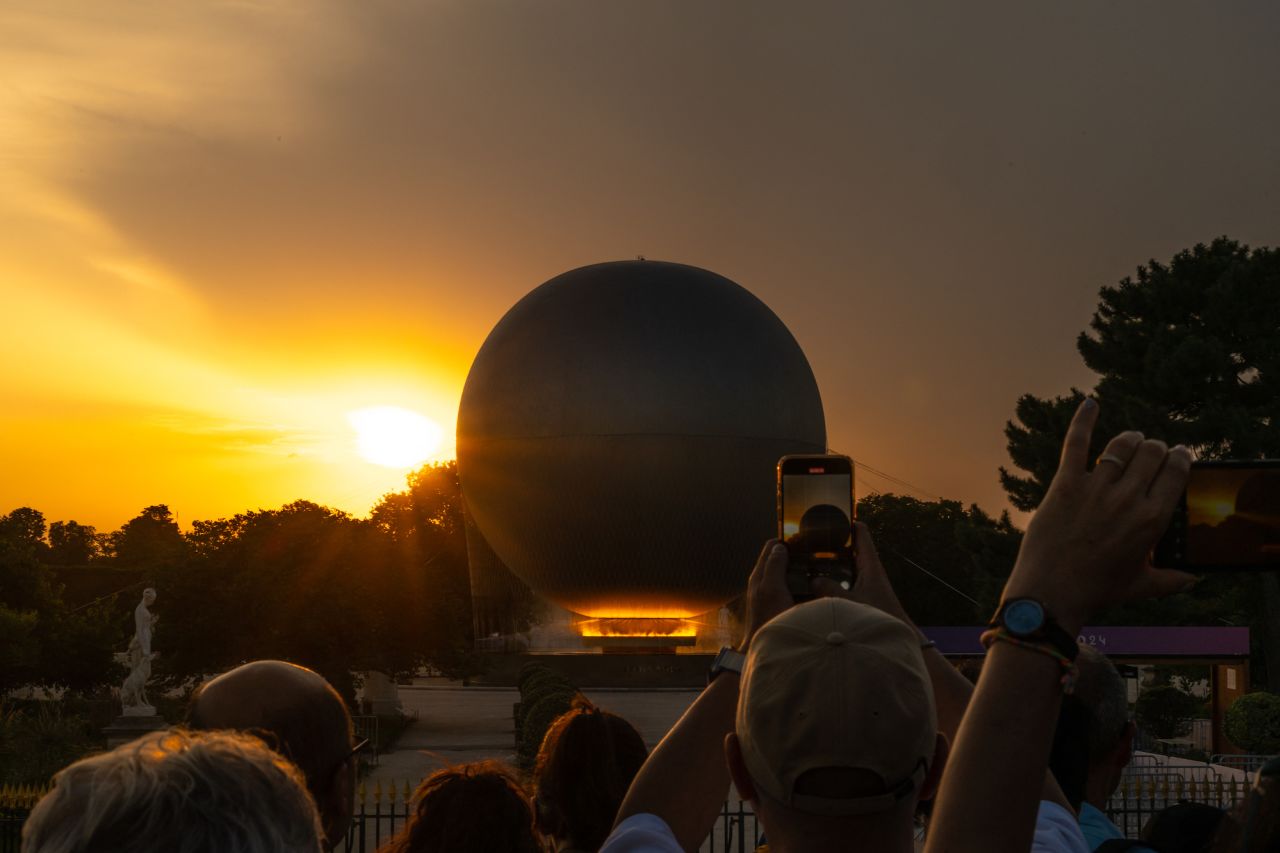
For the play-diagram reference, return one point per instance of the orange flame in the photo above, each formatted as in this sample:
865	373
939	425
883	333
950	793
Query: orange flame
638	627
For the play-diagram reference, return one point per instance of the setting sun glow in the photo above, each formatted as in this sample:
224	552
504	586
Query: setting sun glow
394	437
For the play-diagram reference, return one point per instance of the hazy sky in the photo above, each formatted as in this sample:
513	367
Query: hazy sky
224	226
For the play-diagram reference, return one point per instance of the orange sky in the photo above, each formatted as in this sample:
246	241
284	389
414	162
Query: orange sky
224	226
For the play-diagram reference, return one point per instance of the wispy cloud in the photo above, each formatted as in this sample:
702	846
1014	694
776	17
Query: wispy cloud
241	437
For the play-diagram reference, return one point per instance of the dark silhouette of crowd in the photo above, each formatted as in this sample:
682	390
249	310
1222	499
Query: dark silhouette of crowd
836	719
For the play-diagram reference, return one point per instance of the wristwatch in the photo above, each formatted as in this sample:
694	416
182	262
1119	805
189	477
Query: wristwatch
1027	619
729	660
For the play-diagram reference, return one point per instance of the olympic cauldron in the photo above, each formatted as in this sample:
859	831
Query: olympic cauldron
618	436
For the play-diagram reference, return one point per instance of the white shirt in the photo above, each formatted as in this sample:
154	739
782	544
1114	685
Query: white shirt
1056	832
642	833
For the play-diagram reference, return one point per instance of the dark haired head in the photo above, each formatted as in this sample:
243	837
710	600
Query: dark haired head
476	807
587	761
1183	828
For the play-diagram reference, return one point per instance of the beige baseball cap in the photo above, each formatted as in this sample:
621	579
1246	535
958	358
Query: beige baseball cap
836	685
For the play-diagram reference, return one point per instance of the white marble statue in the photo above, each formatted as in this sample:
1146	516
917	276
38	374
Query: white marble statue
723	633
133	695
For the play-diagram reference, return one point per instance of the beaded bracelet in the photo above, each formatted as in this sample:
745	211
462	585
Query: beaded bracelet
1069	670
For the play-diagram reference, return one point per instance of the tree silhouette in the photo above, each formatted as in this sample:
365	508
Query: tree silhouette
151	540
42	642
313	585
24	526
426	524
1188	352
940	555
71	543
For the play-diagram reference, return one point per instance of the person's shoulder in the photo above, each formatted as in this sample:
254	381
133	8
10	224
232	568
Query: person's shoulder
1122	845
641	833
1057	831
1096	826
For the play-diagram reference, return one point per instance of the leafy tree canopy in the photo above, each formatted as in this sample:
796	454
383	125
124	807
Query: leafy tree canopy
42	642
315	586
24	527
1166	712
1253	723
1188	352
940	555
71	543
150	541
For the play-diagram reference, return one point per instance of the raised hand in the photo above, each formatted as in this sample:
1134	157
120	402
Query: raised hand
1089	543
767	593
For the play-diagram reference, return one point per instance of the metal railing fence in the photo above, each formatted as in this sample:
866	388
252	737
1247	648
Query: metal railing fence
1141	796
383	809
1249	764
366	726
11	821
16	802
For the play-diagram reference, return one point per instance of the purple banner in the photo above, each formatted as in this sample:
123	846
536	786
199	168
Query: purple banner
1121	641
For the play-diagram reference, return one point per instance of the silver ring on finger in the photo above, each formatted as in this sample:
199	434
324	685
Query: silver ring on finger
1111	457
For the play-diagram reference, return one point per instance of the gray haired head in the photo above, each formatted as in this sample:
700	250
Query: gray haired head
177	792
1101	689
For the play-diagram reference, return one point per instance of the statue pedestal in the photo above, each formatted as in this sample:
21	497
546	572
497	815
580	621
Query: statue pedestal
129	727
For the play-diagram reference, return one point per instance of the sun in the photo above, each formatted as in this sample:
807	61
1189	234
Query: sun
394	437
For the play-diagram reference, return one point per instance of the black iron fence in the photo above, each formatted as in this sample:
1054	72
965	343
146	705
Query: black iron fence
16	802
736	830
382	809
366	728
1149	788
11	821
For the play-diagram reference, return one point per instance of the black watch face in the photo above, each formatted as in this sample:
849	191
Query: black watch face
1024	617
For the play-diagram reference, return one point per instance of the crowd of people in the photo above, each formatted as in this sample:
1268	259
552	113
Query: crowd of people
836	719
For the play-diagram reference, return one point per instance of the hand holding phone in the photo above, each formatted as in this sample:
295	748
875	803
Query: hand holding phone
1228	519
815	521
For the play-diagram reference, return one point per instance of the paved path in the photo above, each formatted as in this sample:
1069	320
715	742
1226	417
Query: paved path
456	724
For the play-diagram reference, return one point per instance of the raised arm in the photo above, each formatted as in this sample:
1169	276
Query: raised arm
685	780
951	690
1086	547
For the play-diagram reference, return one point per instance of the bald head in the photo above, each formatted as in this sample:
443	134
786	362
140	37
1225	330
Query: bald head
300	714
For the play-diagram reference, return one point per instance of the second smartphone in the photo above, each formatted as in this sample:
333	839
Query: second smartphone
815	520
1228	519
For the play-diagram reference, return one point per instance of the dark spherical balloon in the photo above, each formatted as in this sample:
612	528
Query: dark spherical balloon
619	431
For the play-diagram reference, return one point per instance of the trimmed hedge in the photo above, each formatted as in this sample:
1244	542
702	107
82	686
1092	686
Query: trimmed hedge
1253	723
528	671
539	691
536	679
537	720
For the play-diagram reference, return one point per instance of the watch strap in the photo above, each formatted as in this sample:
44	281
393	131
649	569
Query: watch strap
1049	632
729	660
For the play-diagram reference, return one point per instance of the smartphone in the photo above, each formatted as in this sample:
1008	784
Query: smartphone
1228	520
815	520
